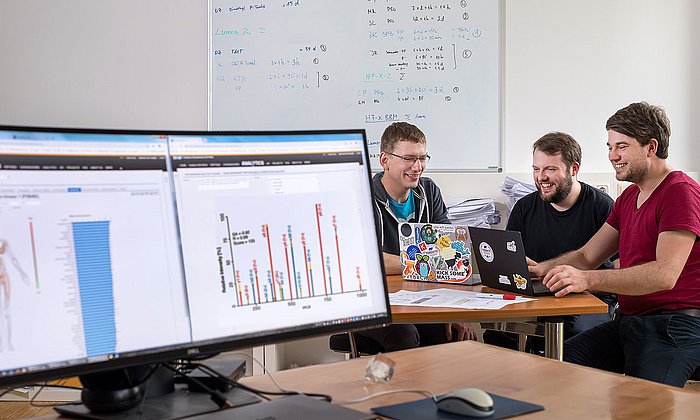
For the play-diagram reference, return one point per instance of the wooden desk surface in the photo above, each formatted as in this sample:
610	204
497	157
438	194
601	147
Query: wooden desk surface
566	391
574	304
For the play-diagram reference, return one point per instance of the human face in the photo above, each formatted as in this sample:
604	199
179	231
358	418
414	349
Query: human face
400	176
553	180
628	157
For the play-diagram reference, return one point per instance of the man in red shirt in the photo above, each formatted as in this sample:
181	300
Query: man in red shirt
655	225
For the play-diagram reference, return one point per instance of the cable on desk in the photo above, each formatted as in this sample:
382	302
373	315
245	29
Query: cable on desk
392	391
217	396
261	393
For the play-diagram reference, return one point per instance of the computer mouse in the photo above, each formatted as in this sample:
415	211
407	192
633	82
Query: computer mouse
467	402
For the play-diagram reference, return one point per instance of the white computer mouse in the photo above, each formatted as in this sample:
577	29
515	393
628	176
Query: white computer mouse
467	402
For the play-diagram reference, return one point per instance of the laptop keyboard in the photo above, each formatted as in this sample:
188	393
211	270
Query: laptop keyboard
539	287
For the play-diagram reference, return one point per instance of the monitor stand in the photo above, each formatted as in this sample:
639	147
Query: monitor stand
163	399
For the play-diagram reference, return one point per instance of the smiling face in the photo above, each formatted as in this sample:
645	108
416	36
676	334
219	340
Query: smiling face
628	157
400	176
552	178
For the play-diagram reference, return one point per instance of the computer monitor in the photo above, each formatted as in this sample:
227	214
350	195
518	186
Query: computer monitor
119	248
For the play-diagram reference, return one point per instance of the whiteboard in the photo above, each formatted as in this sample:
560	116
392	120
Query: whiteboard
318	64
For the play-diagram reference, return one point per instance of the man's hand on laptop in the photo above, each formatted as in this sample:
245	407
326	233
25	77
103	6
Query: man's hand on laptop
537	270
565	279
460	331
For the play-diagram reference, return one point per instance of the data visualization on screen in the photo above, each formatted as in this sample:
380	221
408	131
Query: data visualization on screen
91	252
277	231
126	247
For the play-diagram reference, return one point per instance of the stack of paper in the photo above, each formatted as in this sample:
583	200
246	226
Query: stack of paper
515	190
478	212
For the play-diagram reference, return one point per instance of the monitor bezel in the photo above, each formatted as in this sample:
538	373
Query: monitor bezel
214	346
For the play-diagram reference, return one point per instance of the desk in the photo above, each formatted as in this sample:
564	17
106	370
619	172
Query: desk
566	391
525	312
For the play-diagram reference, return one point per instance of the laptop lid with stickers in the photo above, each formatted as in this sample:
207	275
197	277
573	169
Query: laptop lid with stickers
500	256
435	252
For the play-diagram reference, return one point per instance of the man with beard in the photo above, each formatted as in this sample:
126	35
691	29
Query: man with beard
562	215
401	194
655	225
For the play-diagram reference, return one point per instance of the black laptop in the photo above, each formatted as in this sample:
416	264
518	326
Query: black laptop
500	256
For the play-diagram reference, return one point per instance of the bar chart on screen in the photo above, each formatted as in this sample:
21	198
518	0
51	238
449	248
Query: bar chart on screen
282	263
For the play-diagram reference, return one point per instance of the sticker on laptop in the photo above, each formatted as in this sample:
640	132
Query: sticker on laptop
504	279
520	281
510	246
486	252
435	252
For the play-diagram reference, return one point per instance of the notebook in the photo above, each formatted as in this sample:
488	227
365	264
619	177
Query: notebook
435	252
500	256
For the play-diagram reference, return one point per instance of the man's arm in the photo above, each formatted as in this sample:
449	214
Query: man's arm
392	264
672	251
590	256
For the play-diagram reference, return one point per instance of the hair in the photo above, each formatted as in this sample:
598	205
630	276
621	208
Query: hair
643	122
557	142
400	131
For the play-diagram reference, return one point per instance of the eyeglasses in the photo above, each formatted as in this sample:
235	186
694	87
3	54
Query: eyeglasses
411	160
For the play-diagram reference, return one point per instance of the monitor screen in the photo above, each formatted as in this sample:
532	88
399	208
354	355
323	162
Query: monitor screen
122	247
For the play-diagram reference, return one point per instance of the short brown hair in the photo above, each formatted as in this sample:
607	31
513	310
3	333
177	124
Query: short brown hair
400	131
558	142
643	122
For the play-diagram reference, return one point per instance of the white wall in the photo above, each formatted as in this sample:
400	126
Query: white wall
568	66
109	64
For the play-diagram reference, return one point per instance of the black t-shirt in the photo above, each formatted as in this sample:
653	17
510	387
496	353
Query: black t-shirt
548	233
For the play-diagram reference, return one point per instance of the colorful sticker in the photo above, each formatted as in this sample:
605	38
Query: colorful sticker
444	242
412	251
461	234
422	267
460	247
428	234
520	281
408	267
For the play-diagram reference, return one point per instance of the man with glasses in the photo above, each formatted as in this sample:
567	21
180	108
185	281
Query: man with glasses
401	194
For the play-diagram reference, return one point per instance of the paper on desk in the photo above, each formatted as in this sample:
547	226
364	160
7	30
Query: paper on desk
449	298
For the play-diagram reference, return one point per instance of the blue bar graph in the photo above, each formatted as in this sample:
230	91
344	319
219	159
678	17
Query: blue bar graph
94	267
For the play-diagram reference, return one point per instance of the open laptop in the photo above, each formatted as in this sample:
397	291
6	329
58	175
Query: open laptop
435	252
500	256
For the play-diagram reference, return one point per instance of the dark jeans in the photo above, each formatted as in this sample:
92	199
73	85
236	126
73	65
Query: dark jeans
406	336
660	348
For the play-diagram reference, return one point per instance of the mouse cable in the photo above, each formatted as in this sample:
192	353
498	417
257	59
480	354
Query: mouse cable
217	396
261	393
391	391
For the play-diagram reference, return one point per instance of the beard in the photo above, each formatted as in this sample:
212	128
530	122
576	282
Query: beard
560	193
634	174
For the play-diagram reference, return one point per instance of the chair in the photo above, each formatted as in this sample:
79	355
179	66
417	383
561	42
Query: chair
354	345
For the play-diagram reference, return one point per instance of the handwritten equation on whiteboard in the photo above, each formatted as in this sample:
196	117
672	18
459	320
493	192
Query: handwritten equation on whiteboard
314	64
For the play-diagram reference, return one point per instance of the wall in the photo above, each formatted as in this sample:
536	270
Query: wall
113	64
568	66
